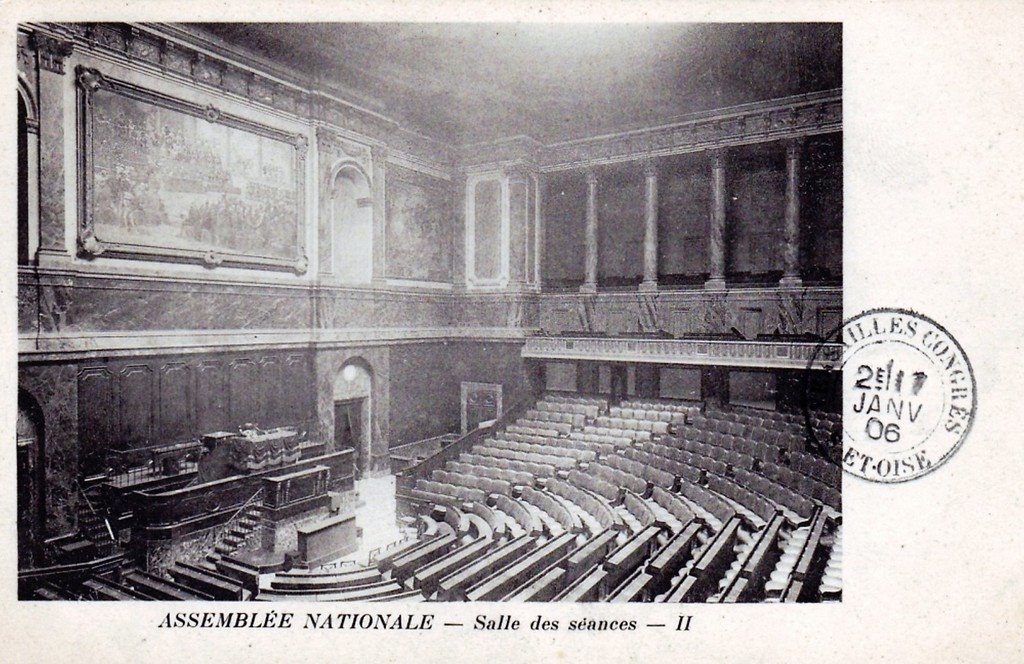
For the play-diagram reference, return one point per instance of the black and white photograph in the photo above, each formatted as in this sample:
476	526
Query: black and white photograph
460	331
449	312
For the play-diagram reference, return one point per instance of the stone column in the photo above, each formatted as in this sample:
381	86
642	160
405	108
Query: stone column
650	282
51	52
379	156
540	183
519	225
716	236
590	245
791	228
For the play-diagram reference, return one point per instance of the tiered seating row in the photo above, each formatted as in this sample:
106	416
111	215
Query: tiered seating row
549	446
601	438
558	462
760	508
586	410
632	427
515	465
576	420
568	521
427	488
485	484
707	501
520	513
662	406
601	487
513	477
576	399
617	477
593	505
650	473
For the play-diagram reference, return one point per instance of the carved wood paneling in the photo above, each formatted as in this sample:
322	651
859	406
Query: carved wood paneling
137	397
176	404
243	391
97	417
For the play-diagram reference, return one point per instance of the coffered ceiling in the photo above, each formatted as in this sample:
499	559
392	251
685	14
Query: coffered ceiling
470	82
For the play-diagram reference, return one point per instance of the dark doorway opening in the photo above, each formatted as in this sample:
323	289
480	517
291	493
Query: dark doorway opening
349	426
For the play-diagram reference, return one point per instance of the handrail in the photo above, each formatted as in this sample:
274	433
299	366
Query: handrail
258	495
88	503
88	567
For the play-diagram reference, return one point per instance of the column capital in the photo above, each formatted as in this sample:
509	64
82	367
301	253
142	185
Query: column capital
379	154
718	157
649	166
52	51
794	147
518	172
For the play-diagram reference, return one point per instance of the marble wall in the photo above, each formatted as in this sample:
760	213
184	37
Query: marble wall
55	389
751	311
426	379
377	360
62	301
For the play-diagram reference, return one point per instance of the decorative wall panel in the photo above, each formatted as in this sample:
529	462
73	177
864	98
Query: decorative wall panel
419	226
164	178
97	417
487	232
137	398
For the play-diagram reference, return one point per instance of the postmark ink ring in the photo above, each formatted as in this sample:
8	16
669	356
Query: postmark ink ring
908	390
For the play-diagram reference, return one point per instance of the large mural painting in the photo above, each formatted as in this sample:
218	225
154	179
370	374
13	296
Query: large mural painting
419	227
166	178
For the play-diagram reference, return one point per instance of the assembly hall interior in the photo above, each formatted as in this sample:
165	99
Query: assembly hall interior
429	312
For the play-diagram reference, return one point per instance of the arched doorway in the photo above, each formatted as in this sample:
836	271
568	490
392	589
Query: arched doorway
352	225
353	401
29	455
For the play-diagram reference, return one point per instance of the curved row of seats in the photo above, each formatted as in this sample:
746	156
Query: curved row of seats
553	508
681	408
551	447
572	419
618	477
631	424
780	493
531	467
586	410
756	504
511	476
450	490
485	484
601	487
601	438
666	416
673	505
586	500
526	519
710	503
559	462
772	441
576	399
649	473
545	429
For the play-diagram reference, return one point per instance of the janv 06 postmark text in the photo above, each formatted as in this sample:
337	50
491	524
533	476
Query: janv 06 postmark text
909	393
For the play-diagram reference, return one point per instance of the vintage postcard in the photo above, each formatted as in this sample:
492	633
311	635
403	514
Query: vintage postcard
590	332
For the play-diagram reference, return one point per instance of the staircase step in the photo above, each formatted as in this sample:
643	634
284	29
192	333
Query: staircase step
159	589
216	586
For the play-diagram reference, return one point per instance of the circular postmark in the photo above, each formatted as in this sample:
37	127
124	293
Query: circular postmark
908	393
